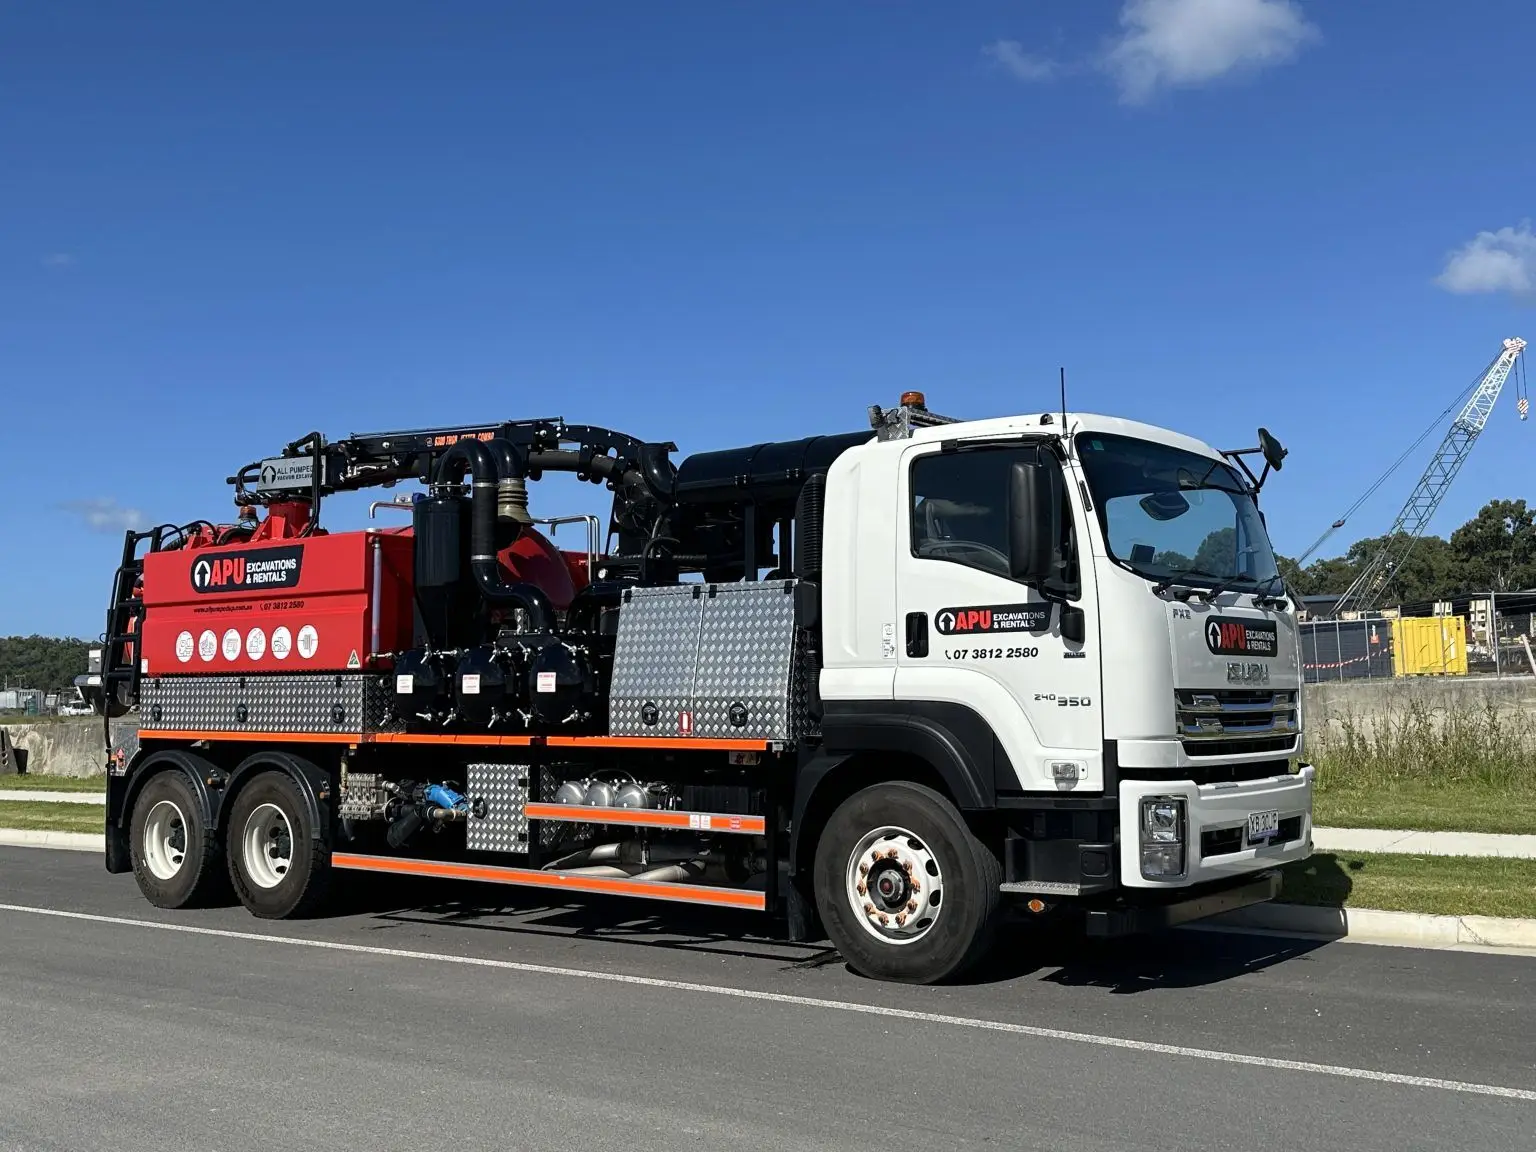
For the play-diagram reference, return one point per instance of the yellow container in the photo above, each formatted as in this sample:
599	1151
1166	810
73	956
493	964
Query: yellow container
1429	646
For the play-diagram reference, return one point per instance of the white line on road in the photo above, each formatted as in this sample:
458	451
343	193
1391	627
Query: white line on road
812	1002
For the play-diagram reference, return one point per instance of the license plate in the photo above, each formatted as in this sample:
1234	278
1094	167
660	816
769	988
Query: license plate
1262	825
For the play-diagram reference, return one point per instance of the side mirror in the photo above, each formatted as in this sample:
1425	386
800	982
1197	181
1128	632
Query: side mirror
1034	513
1270	447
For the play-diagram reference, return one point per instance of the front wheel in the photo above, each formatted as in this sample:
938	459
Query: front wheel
279	867
906	891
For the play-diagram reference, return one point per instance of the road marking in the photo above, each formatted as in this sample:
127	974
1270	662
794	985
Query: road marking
977	1023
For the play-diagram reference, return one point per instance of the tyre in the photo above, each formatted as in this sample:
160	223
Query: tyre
174	853
279	868
906	892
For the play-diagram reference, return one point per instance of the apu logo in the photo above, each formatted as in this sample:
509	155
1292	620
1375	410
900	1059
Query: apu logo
1225	636
993	618
966	620
260	568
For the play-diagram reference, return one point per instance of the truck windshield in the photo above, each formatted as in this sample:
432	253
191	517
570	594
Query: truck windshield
1173	515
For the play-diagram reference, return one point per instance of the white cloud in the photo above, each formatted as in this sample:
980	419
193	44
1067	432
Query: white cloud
58	260
105	514
1502	261
1183	43
1021	64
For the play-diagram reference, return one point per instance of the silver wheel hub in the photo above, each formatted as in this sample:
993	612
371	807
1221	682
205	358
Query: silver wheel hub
165	840
895	885
267	846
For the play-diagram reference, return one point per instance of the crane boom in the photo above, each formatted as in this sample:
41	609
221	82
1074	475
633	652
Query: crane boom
1368	588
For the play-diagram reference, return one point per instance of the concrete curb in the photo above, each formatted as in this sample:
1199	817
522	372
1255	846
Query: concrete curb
40	838
1373	926
27	795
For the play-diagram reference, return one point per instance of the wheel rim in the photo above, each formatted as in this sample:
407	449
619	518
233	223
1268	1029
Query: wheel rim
895	885
268	844
165	840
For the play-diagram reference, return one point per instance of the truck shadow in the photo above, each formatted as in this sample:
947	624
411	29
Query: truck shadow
1048	952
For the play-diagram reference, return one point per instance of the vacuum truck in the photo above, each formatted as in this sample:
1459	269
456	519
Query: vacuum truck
884	687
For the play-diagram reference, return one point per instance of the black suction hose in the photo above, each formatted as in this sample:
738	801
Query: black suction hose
477	458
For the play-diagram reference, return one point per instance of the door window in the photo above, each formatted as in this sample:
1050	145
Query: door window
959	509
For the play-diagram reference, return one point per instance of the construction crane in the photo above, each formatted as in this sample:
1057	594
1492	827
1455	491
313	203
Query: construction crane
1377	576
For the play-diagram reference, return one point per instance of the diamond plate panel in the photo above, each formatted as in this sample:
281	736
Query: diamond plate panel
504	788
747	657
654	660
320	703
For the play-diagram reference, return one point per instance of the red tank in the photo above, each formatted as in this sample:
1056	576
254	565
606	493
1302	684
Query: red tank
306	604
534	559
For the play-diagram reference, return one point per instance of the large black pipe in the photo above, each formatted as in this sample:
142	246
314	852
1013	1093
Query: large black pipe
511	482
474	456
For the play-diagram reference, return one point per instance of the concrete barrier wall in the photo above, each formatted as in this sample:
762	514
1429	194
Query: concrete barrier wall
1365	704
68	747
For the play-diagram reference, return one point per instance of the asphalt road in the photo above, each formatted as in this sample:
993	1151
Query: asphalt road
465	1017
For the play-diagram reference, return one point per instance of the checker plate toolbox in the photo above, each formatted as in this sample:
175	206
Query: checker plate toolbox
710	661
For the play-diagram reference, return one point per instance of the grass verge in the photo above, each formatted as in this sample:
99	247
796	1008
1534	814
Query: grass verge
34	783
1424	808
1441	885
1467	767
30	814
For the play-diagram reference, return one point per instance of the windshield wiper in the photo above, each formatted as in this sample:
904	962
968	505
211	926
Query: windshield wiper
1258	587
1175	578
1217	589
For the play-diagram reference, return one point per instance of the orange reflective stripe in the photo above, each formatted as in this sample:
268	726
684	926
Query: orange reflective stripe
534	878
462	739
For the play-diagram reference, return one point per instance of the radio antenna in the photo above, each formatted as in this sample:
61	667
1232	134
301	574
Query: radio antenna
1065	435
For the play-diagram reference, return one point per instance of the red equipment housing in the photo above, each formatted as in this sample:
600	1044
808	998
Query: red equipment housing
320	603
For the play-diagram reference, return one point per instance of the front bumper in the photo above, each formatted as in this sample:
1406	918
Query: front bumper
1155	916
1221	810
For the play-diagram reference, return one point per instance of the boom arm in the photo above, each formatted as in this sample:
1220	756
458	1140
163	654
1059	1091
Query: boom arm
640	475
1377	576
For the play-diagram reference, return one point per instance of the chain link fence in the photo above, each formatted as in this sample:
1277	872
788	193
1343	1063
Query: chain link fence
1498	636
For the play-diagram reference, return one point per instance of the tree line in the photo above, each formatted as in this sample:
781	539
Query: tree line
1495	551
45	662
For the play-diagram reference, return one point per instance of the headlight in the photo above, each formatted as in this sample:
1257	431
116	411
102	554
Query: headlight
1162	838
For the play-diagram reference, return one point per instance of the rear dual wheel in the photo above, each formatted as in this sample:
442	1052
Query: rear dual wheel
175	854
279	867
906	890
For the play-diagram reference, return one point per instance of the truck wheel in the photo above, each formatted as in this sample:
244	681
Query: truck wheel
279	869
906	892
175	858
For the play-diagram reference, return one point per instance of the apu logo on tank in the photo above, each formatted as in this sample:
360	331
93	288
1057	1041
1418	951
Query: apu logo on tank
257	569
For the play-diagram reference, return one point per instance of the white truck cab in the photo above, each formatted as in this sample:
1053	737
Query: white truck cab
1087	613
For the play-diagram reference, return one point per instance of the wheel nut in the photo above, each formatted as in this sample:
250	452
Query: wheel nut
869	909
912	906
863	888
884	919
901	920
863	869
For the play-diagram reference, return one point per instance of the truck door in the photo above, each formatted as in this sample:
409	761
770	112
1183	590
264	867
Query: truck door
971	636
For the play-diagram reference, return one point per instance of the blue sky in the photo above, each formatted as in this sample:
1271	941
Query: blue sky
225	226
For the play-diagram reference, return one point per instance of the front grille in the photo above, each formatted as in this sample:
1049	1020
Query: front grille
1225	841
1231	721
1220	842
1193	748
